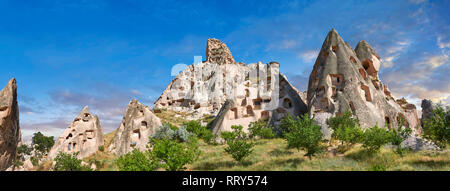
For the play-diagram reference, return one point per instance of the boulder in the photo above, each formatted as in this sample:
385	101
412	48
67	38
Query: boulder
84	135
138	124
345	79
9	124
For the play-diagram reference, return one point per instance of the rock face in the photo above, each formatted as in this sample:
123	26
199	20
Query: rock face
343	79
138	124
257	91
84	135
9	124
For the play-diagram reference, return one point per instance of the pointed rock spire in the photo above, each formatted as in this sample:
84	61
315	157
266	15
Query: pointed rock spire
9	124
84	135
218	52
138	124
340	81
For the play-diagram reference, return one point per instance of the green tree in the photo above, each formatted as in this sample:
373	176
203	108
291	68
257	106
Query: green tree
174	155
437	128
42	143
69	162
200	131
237	145
374	138
346	129
137	161
304	133
398	135
259	129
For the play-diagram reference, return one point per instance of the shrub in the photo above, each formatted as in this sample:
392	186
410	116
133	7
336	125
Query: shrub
182	134
101	148
200	131
346	129
164	132
174	155
42	143
258	129
69	162
437	128
304	133
286	124
136	161
24	150
398	136
374	138
238	148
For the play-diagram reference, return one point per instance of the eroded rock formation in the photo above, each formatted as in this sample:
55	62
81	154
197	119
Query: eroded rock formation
427	110
343	79
9	124
138	124
84	135
256	91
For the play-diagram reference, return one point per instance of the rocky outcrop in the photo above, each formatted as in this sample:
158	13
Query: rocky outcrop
416	143
257	91
411	116
343	79
84	136
218	52
9	124
427	110
138	124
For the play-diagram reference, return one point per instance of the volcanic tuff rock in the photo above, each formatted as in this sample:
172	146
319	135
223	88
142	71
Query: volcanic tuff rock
138	124
203	88
9	124
84	135
427	110
343	79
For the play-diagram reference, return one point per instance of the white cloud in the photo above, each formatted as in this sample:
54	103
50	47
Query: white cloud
309	56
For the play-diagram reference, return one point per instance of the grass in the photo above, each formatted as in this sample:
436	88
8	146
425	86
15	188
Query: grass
172	117
273	155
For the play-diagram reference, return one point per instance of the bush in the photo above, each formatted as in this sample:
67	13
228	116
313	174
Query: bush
286	124
437	128
374	138
136	161
164	132
200	131
238	148
258	129
174	155
304	133
346	129
42	143
69	162
101	148
24	150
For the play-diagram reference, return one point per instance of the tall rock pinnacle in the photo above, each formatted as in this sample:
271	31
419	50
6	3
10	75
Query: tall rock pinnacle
340	81
218	52
9	124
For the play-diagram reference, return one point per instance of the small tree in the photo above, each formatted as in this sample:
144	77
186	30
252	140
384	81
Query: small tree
304	133
69	162
136	161
374	138
42	143
398	135
437	128
200	131
346	129
259	129
238	148
174	155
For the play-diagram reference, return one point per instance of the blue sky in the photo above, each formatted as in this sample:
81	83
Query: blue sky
68	54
